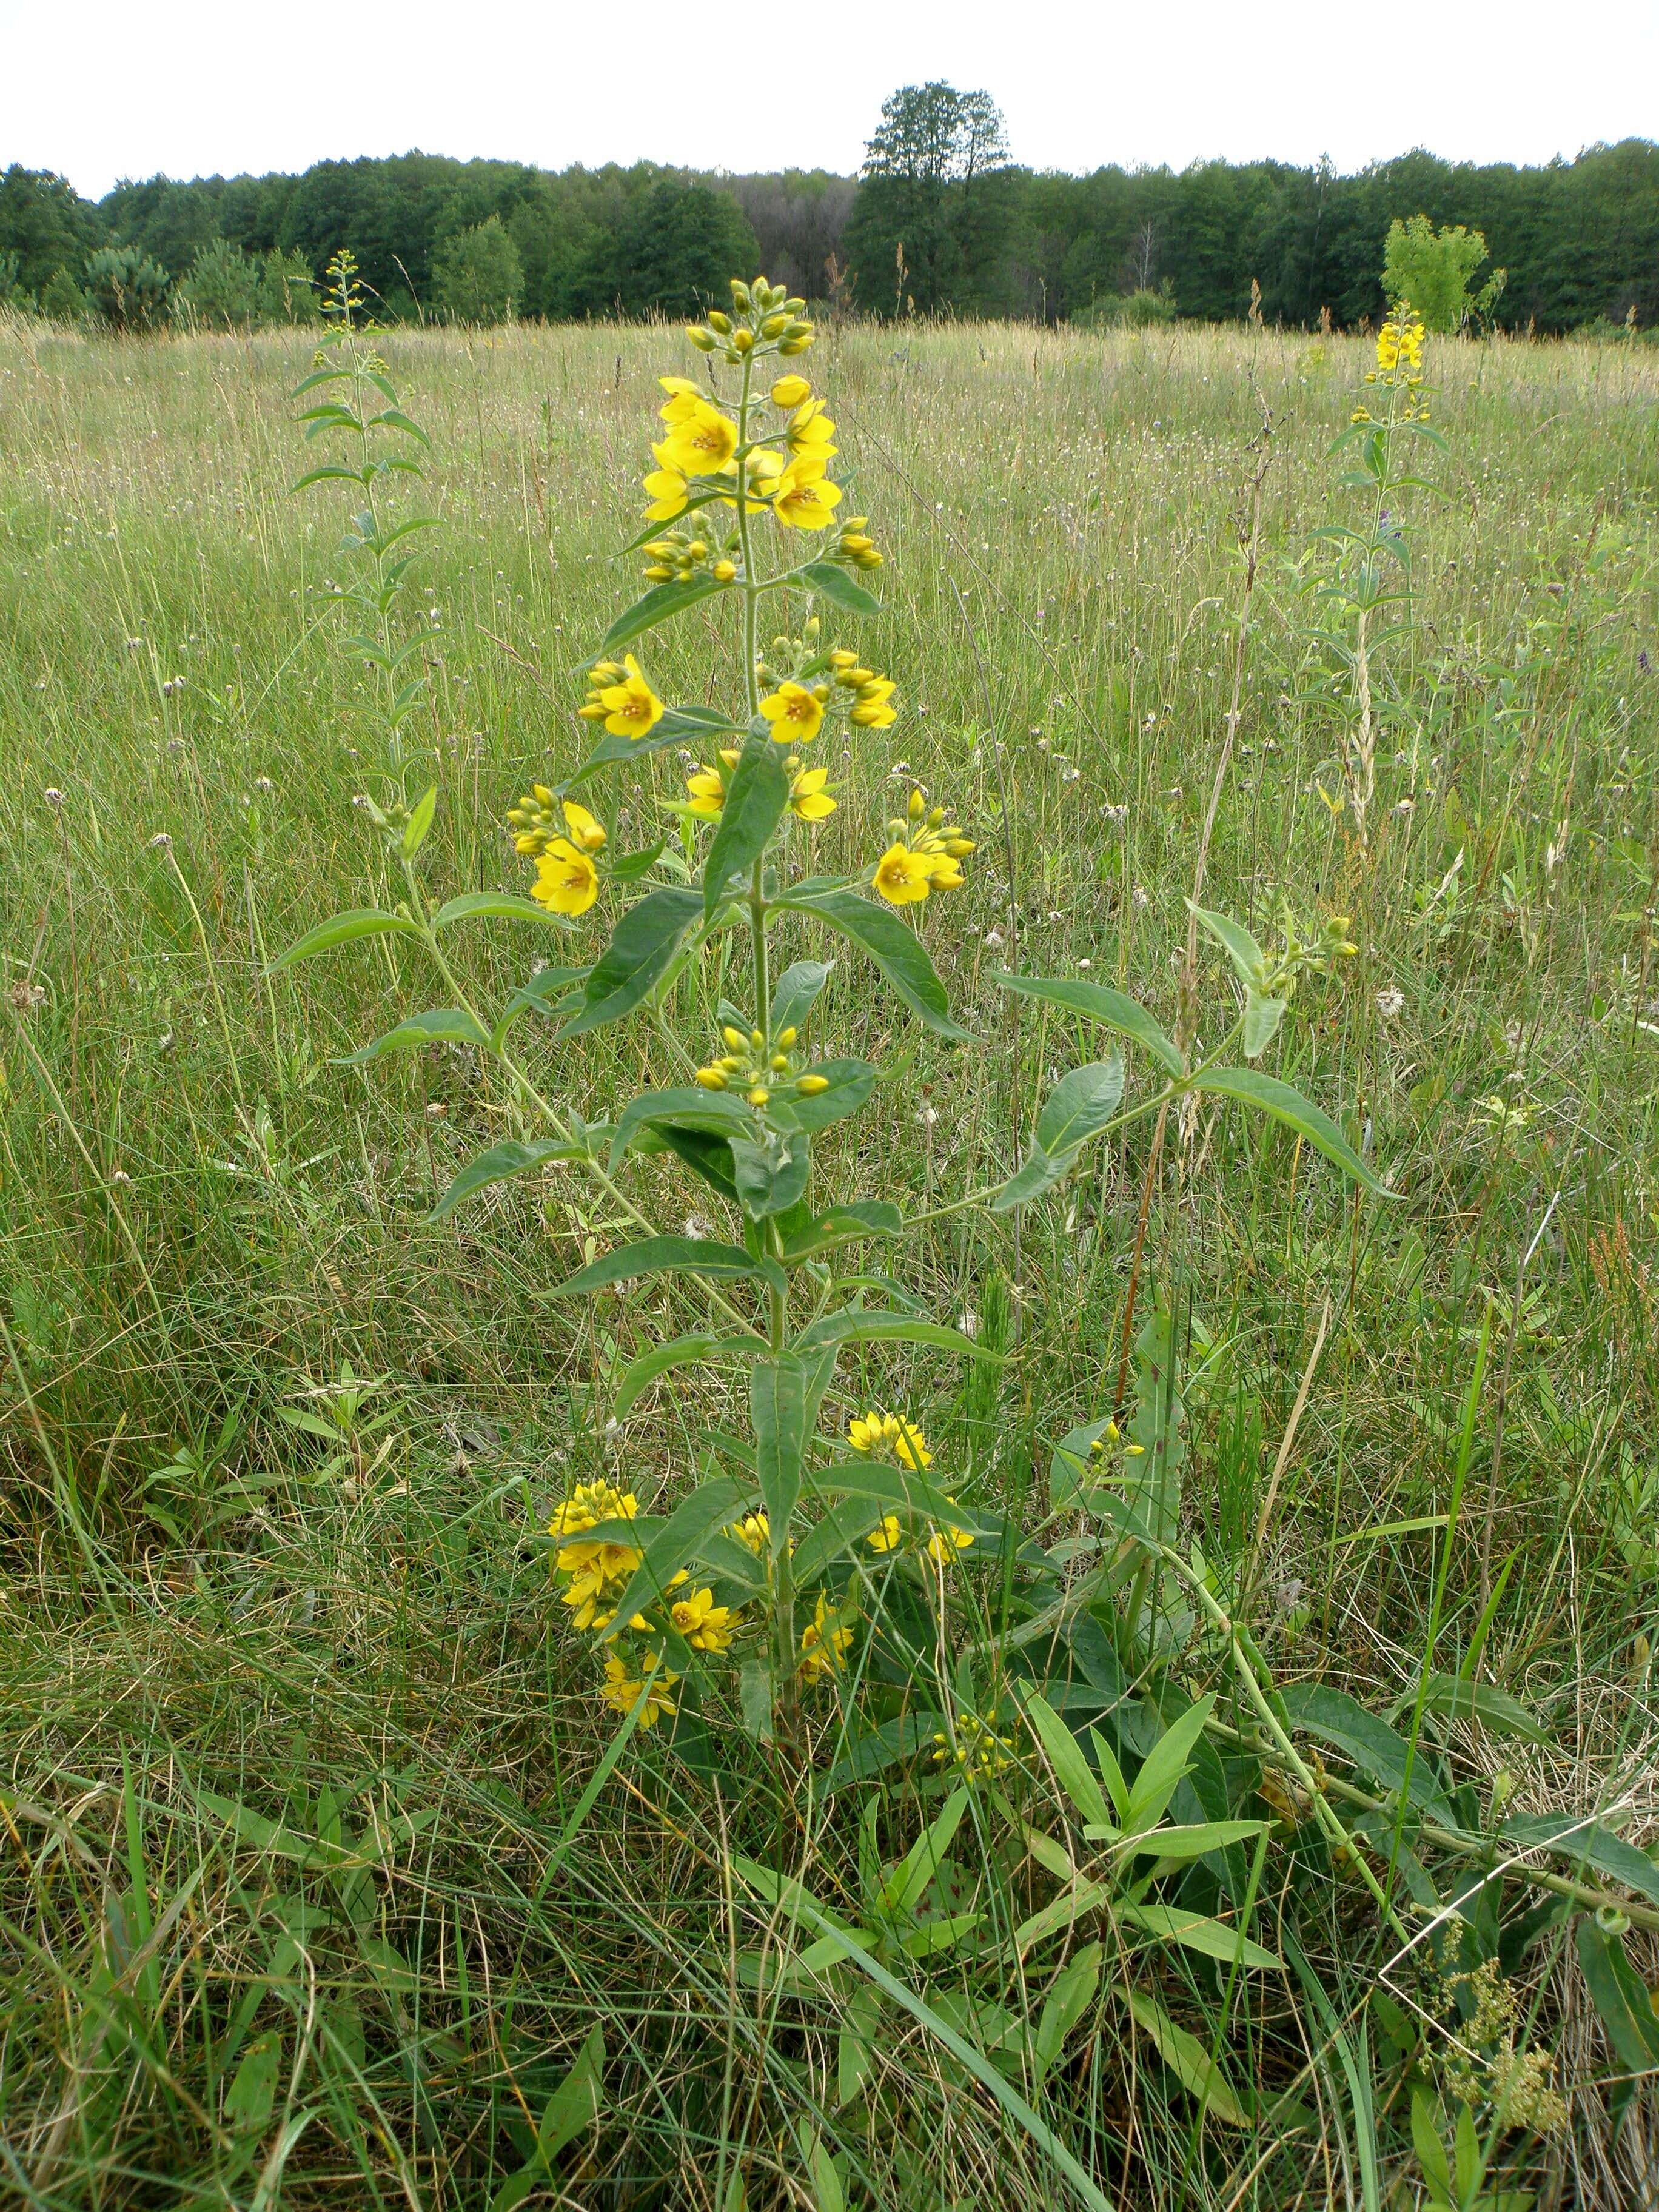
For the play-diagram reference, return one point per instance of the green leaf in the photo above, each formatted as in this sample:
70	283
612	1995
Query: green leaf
842	1528
1269	1096
1585	1843
659	604
754	1698
755	800
1249	961
1070	1994
1188	2060
447	1026
420	821
1095	1003
642	946
772	1177
695	1351
509	1157
902	1489
857	1327
344	929
1073	1459
393	418
250	2097
881	1747
873	1217
658	1256
1164	1764
797	989
1261	1019
1080	1105
706	1156
1066	1755
678	726
674	1544
1036	1174
1173	1924
685	1106
784	1396
1195	1842
850	1083
1620	1996
838	587
895	948
545	992
1453	1699
504	906
1336	1718
1425	2139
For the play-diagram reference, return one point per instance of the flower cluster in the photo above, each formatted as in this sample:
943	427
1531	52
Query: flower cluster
808	798
760	1067
563	838
923	857
890	1436
1400	367
763	311
978	1751
619	697
593	1568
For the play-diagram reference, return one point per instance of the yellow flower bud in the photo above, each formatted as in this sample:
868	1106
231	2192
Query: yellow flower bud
841	658
658	573
711	1079
779	1061
740	290
735	1038
759	1094
935	816
594	711
731	1062
719	322
757	1038
703	340
791	392
786	1037
723	571
744	341
775	326
697	550
810	1086
918	806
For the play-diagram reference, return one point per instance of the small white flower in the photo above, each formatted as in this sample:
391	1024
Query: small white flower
264	783
437	1109
1390	1000
968	1322
696	1229
1086	963
121	1175
52	796
161	841
994	939
926	1117
1143	897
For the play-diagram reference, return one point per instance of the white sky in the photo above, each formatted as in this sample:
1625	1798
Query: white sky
104	89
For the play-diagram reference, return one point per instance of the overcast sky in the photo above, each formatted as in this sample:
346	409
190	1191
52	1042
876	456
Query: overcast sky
101	90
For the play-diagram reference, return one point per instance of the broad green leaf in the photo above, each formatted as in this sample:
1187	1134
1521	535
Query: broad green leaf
698	1351
755	1698
842	1528
1261	1019
642	946
857	1327
784	1395
755	800
344	929
499	906
1097	1003
575	2104
850	1083
548	992
1066	1755
658	1256
393	418
916	1871
445	1025
659	604
706	1156
1188	2060
1037	1174
902	1488
250	2096
1073	1459
510	1158
1426	2140
685	1106
1173	1924
797	989
1195	1842
881	1747
1269	1096
1070	1995
772	1177
698	726
1080	1105
1249	963
1074	1904
1164	1764
1620	1996
1586	1842
674	1544
1336	1718
892	944
839	588
873	1217
420	821
1453	1699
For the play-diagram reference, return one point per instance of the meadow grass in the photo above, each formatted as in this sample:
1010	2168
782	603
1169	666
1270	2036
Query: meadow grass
292	1740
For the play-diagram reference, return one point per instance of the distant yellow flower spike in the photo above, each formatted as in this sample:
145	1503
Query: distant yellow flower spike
823	1647
805	498
567	881
903	878
887	1433
701	442
807	796
796	715
620	1688
585	833
632	707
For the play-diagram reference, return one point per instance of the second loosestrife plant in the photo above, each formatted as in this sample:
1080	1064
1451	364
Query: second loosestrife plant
821	1553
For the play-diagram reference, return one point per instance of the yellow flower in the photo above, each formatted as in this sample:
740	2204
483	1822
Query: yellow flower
796	714
887	1433
633	707
888	1536
620	1689
705	1625
589	1503
902	877
755	1529
946	875
586	834
790	390
592	1564
945	1543
823	1647
567	881
870	710
701	442
683	398
1400	340
804	499
707	794
665	489
807	796
810	433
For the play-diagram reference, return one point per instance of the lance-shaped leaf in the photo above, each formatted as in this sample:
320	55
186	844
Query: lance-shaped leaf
1189	2060
796	991
673	1545
1620	1996
701	1350
1587	1843
902	1489
678	726
1338	1719
843	1526
686	1106
1080	1105
1269	1096
659	604
548	992
508	1158
755	800
642	946
1249	961
892	944
494	906
1214	1939
784	1396
857	1327
444	1025
1036	1174
658	1255
1096	1002
839	588
848	1084
344	929
770	1178
1261	1018
707	1155
871	1217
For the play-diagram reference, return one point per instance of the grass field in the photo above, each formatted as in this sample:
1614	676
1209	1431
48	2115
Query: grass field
292	1738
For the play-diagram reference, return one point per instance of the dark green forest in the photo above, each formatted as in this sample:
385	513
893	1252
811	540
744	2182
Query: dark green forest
940	221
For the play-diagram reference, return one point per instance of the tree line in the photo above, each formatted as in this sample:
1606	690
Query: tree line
940	221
